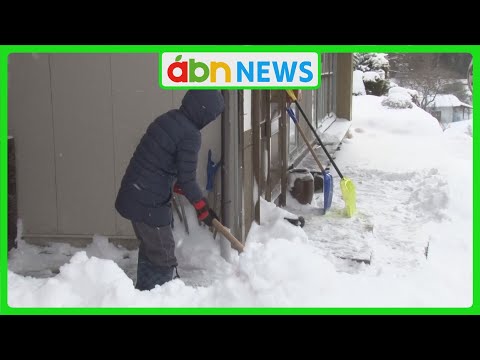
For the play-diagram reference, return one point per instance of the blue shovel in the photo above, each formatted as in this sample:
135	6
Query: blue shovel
327	177
211	184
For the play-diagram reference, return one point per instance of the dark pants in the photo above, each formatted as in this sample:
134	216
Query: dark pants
156	255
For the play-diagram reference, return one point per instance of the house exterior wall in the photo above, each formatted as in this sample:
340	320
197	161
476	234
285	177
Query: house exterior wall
461	113
457	114
447	114
83	143
76	120
451	114
31	123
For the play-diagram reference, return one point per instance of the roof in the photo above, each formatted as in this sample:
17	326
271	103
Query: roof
447	100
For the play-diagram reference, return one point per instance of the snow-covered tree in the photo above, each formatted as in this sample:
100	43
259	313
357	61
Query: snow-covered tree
375	68
430	74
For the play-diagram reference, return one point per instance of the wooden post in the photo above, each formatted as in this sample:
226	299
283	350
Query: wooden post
344	85
257	146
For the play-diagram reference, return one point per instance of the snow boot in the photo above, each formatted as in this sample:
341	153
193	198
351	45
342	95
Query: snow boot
149	274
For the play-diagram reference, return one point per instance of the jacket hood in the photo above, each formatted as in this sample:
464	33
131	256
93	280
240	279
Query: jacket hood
202	106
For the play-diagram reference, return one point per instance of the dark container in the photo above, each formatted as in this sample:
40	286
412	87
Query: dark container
303	186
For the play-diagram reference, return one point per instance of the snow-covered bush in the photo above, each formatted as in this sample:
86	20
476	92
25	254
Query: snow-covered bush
375	67
358	86
398	100
373	76
401	90
374	84
371	62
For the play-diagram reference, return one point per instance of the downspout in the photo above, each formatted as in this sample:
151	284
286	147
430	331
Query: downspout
231	180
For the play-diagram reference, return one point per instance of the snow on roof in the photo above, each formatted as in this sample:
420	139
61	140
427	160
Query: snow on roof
447	100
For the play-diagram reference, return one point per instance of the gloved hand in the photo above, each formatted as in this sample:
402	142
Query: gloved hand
204	213
178	190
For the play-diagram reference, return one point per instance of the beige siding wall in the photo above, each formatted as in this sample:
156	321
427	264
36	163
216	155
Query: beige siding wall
31	123
77	119
82	121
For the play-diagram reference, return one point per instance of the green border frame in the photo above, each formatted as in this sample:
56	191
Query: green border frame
5	50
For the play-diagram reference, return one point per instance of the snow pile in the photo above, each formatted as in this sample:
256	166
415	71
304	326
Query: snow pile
382	126
45	261
400	98
460	128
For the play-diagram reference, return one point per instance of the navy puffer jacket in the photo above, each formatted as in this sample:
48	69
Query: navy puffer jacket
168	151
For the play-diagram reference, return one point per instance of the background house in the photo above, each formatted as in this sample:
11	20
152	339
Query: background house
447	108
76	119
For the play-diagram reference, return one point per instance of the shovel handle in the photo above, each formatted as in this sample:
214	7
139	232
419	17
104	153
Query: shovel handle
237	245
304	137
294	98
292	95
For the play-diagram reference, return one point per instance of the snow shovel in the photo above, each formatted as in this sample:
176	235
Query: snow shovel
237	245
327	177
346	185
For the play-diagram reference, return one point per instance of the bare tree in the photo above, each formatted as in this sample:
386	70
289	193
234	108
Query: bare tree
423	73
428	83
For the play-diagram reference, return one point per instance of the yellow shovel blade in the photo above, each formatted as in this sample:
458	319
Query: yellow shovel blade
349	196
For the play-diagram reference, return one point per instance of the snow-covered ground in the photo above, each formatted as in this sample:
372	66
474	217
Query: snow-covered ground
414	226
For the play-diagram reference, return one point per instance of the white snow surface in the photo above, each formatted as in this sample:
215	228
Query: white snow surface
414	225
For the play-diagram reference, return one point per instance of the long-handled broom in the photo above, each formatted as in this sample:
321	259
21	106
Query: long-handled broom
346	185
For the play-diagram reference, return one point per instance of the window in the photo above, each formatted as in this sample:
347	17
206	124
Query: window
326	103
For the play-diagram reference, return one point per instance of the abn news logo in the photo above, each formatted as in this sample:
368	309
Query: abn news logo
240	70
